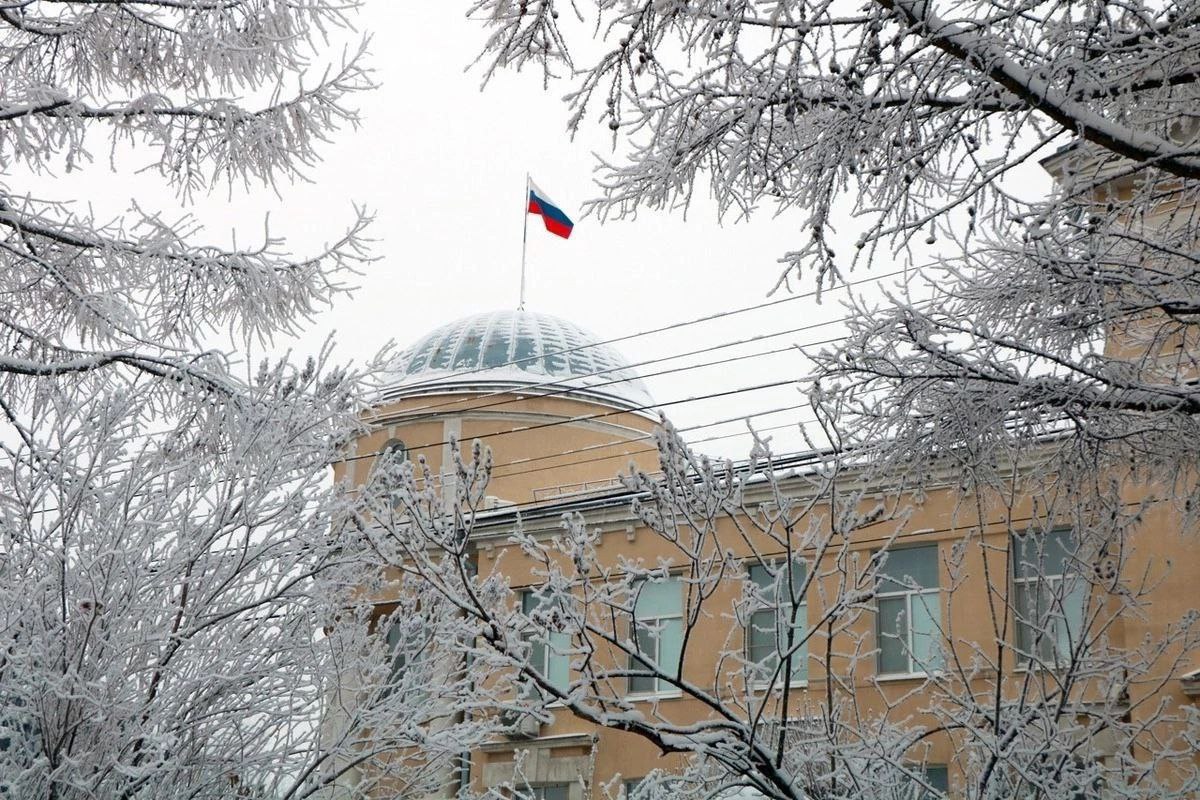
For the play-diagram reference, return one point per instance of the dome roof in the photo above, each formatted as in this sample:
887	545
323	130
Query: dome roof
513	349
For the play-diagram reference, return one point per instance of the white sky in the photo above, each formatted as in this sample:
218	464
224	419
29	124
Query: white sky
443	166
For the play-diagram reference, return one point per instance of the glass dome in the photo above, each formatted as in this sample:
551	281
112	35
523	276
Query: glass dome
515	349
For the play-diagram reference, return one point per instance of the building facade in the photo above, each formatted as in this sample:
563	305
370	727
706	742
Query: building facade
917	614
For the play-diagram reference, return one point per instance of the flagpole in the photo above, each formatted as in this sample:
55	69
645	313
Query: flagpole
524	239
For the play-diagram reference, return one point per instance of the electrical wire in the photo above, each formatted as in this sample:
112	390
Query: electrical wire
556	385
644	437
571	390
672	326
637	452
602	415
661	329
567	390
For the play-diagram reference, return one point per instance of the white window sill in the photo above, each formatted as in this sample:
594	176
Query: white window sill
771	687
904	676
1038	666
654	697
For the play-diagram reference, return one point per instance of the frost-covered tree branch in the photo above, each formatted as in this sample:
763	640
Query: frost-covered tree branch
759	649
1037	167
907	115
180	612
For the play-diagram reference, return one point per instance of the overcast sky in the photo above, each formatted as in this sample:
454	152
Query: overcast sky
442	165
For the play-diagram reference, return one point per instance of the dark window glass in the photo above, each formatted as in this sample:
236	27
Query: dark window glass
1048	599
937	777
548	656
907	567
776	626
908	606
658	623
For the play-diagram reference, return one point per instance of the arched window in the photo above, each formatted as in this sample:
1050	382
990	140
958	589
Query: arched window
394	449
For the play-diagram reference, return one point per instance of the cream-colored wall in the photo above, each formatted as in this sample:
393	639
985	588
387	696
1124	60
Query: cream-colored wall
944	520
538	444
532	459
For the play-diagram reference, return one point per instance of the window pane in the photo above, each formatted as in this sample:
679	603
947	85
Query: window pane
799	665
926	618
938	778
647	645
761	639
529	601
1027	616
647	642
1043	554
1038	635
658	599
762	577
556	791
798	574
909	565
558	662
495	352
670	645
1069	625
777	620
398	653
640	684
893	630
407	649
537	656
537	652
468	348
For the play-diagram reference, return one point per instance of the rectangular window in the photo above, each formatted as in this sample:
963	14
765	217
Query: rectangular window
658	634
1049	601
549	654
408	647
909	614
937	778
778	625
550	791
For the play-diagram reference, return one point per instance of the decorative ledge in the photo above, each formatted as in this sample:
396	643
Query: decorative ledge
563	740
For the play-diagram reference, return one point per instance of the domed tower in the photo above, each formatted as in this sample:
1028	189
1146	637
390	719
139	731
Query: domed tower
562	413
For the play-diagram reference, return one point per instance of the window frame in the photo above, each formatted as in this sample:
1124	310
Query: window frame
908	594
538	792
547	647
399	661
1059	596
635	662
928	771
799	623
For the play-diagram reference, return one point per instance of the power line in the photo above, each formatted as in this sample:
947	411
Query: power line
637	334
601	415
664	328
615	442
557	387
568	390
632	453
644	437
626	337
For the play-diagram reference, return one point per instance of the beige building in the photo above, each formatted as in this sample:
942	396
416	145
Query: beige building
563	413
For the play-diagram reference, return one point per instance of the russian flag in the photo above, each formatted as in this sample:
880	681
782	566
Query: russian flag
555	220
